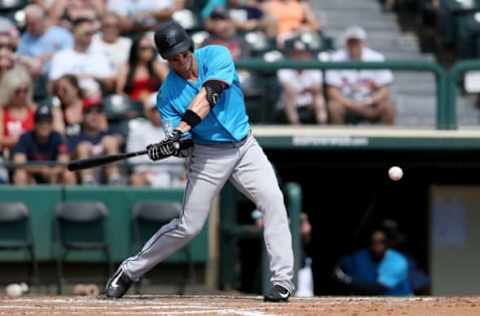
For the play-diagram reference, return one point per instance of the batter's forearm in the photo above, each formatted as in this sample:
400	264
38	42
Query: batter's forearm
199	106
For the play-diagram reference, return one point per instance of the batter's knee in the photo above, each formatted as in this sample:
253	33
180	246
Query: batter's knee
269	196
190	229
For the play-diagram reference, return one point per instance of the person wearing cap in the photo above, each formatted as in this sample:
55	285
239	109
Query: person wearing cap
359	95
96	139
42	144
302	99
169	172
222	31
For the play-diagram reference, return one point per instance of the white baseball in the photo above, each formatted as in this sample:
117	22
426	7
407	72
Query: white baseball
395	173
14	290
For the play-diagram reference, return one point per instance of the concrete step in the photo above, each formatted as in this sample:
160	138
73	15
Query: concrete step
415	112
367	24
350	4
398	55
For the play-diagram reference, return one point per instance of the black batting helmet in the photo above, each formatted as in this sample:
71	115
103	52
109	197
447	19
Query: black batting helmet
172	39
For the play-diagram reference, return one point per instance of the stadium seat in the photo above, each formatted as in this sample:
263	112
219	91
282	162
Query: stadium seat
147	218
16	233
80	226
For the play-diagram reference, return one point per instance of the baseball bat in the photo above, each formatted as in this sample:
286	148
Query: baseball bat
103	160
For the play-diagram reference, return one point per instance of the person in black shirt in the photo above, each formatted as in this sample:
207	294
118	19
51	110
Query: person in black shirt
41	144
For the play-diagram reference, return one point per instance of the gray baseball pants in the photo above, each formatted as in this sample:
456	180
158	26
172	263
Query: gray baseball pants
210	166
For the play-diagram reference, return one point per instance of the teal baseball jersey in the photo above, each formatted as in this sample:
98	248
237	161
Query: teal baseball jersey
228	120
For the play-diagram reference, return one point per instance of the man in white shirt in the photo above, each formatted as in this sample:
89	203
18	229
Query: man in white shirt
302	99
109	42
167	173
141	15
359	95
90	68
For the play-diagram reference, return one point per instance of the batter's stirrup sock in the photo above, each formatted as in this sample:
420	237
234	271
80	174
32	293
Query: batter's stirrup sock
118	284
277	294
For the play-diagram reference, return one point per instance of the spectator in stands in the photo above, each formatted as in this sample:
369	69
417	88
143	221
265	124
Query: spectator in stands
144	72
359	95
249	17
41	39
222	31
110	43
69	98
376	270
7	45
291	16
7	62
42	144
302	99
16	105
142	15
90	68
167	173
66	12
95	139
10	38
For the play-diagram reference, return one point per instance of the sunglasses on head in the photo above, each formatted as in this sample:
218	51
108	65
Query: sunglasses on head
10	47
21	91
94	110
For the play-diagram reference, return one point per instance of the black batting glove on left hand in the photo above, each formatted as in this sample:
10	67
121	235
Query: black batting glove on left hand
169	146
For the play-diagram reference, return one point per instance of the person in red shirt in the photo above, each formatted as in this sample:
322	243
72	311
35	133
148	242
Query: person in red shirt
17	107
143	74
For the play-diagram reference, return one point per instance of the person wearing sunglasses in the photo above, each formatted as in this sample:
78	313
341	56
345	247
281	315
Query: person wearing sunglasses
16	105
375	270
7	45
143	74
90	68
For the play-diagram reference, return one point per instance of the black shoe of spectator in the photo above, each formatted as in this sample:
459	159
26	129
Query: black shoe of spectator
118	284
277	294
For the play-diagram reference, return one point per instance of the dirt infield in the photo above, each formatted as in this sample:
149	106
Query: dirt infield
239	306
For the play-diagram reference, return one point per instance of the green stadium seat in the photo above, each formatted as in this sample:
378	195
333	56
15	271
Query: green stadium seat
147	218
16	233
80	226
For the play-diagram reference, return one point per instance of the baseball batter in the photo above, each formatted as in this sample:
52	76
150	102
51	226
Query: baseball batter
202	98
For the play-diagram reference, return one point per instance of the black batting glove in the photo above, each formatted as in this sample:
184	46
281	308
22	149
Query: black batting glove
169	146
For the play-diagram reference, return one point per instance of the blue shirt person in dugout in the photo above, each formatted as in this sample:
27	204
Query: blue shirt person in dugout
377	269
227	121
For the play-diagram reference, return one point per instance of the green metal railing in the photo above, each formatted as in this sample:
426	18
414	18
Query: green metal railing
454	75
443	119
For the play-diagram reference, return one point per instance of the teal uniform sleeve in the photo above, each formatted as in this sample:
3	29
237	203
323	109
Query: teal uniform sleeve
221	66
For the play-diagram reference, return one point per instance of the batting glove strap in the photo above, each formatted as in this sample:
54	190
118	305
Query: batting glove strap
167	147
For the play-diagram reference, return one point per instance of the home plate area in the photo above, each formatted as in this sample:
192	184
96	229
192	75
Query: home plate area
239	305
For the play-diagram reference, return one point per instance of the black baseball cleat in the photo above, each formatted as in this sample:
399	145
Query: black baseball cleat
277	294
118	284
